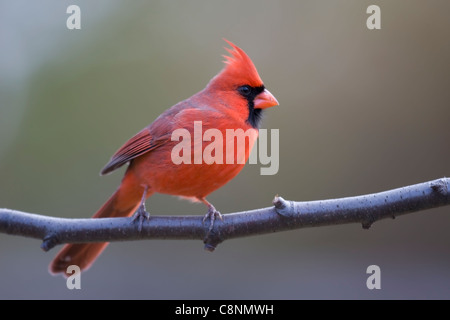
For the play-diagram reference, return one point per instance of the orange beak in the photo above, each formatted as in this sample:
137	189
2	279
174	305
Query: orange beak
265	100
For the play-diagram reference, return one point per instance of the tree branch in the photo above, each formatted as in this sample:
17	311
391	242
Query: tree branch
284	215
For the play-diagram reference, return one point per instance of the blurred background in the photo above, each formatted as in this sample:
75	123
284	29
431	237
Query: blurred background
361	111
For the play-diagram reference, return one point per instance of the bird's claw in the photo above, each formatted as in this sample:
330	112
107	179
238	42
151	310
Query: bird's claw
212	214
140	215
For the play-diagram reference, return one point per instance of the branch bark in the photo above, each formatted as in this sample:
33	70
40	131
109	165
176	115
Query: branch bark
284	215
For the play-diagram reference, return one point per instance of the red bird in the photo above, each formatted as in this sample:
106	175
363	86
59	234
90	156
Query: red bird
233	99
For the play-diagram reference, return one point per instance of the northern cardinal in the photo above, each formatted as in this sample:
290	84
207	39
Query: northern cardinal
233	99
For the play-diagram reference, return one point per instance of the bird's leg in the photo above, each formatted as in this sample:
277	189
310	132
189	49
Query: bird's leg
141	213
212	214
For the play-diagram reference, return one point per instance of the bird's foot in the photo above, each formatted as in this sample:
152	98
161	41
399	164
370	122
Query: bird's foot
141	213
212	214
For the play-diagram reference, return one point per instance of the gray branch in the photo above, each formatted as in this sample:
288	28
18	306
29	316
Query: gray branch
283	215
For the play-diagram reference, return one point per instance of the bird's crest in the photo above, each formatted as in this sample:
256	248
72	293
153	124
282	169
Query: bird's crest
239	68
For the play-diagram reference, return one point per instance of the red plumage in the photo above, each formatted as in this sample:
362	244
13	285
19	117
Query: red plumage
223	104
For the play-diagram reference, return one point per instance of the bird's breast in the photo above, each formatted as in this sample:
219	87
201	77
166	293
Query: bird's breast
196	162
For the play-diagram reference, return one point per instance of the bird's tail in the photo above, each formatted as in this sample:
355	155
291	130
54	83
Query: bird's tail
122	203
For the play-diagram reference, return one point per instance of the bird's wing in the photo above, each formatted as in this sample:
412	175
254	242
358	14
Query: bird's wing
182	115
141	143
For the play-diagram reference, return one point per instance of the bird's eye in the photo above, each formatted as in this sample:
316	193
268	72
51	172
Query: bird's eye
245	90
